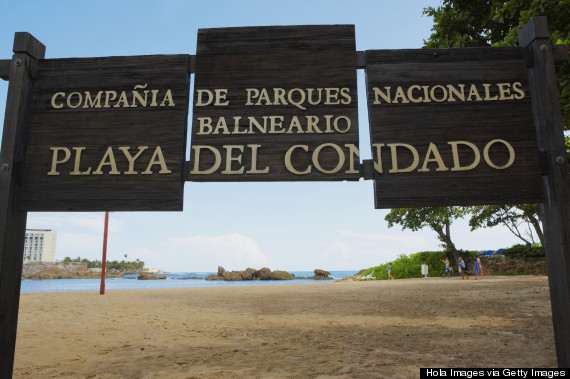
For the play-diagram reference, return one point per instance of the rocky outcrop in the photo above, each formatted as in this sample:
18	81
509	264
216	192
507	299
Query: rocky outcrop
232	276
246	275
281	275
147	276
263	274
250	274
321	274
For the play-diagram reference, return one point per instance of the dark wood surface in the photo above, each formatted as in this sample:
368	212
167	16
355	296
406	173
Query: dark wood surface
5	68
12	218
478	122
556	206
276	57
97	129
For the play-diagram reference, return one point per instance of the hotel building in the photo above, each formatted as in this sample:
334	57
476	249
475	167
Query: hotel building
39	245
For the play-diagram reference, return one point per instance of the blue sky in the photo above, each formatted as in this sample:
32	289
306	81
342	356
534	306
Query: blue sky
287	226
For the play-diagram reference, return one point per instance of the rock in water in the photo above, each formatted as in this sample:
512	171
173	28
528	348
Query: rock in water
319	272
263	274
214	277
232	276
146	276
281	275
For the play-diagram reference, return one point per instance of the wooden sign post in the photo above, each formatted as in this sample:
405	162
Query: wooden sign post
451	127
556	205
107	134
12	218
448	127
275	104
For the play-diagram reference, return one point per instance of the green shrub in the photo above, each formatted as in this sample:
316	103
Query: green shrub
411	266
522	251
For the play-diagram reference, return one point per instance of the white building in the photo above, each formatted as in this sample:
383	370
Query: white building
39	245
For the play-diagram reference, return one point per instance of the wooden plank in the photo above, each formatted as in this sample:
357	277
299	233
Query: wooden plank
26	43
556	206
91	117
5	68
12	218
448	106
302	83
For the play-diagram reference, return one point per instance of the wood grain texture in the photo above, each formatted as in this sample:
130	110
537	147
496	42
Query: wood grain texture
12	217
556	205
5	68
282	57
97	129
477	122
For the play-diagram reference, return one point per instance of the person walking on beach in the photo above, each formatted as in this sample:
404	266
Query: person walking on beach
447	270
389	269
463	269
478	267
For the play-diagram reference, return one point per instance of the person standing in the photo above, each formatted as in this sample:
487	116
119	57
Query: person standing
478	267
447	269
389	269
463	269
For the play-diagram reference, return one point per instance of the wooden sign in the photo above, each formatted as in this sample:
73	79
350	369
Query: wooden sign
107	134
451	127
275	104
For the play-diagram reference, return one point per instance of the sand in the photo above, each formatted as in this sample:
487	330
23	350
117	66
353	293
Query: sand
374	329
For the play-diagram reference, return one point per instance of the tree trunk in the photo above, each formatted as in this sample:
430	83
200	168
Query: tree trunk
445	237
536	224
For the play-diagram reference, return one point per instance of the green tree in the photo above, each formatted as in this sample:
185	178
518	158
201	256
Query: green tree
521	220
467	23
439	219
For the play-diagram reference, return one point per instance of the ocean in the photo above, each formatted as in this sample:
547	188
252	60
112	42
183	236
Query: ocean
173	280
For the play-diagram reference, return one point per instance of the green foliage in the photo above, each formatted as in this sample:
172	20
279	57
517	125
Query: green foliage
467	23
127	266
439	219
418	218
520	219
522	251
406	267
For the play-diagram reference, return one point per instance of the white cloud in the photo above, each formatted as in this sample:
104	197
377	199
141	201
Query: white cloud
340	248
233	251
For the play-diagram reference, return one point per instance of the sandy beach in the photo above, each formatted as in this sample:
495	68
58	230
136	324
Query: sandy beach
375	329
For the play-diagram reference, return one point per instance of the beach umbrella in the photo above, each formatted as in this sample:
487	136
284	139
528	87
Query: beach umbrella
492	252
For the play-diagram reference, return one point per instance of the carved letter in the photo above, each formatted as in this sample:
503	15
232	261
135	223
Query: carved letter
393	147
215	166
76	170
55	161
254	169
157	158
108	160
340	153
131	159
456	164
432	150
53	104
509	148
288	160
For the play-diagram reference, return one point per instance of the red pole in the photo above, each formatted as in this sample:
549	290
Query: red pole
104	260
